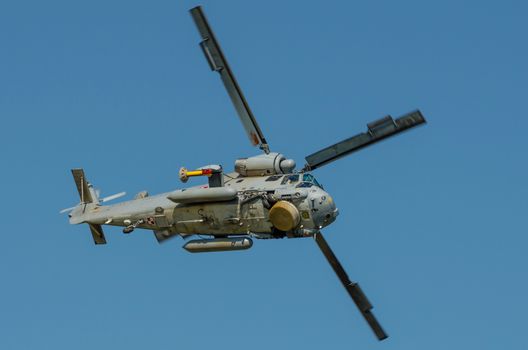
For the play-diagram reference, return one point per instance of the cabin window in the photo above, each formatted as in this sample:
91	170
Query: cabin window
273	177
290	179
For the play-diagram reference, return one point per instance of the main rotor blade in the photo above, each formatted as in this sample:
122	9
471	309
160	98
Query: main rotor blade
377	131
217	62
352	288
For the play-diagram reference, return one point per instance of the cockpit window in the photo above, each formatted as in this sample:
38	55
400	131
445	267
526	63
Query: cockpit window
309	178
305	184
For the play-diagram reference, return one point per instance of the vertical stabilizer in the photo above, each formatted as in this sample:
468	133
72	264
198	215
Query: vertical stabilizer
88	195
82	186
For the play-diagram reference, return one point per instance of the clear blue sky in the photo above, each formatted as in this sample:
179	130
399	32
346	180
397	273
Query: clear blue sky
433	222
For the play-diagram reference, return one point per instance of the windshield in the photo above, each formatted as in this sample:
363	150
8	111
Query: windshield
308	180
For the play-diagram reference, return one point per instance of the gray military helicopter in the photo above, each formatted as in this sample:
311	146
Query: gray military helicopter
264	198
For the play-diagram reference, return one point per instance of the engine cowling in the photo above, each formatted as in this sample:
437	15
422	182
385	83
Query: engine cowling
264	164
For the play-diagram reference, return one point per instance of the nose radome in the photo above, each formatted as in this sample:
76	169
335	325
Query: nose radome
324	209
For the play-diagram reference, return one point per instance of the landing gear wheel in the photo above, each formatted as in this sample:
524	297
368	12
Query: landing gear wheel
128	229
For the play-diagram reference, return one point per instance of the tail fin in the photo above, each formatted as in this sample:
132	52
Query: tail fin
86	191
88	195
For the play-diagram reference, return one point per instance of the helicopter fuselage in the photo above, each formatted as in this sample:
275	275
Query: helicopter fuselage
265	197
240	207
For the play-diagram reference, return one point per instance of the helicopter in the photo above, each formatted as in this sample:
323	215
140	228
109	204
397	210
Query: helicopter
265	197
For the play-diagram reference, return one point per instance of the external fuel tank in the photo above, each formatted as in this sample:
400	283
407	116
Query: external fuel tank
218	244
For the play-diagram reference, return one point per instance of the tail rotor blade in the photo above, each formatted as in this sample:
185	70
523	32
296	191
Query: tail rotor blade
353	289
66	210
112	197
